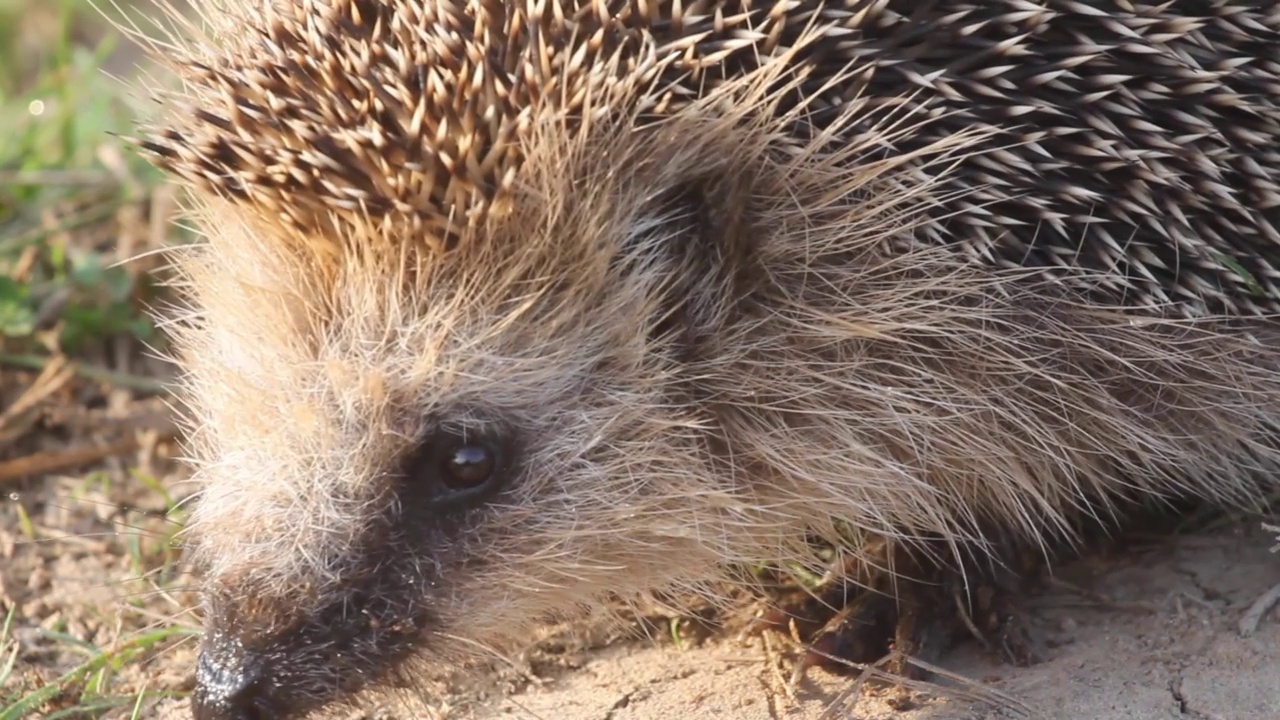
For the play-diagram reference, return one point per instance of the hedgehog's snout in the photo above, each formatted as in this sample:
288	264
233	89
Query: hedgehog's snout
229	684
248	670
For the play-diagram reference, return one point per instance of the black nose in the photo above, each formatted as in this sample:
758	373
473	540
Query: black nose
229	686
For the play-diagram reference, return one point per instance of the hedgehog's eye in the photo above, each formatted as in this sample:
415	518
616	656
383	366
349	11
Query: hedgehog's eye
452	470
467	466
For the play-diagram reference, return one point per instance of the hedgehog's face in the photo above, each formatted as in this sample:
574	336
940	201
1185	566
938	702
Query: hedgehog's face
426	455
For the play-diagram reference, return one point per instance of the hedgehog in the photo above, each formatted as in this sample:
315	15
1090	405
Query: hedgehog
511	311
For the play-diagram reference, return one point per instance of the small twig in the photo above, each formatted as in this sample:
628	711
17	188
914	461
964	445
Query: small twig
977	691
50	462
131	382
1248	624
780	684
52	378
58	177
73	222
848	697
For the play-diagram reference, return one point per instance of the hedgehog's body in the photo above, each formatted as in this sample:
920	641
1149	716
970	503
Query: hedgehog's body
511	306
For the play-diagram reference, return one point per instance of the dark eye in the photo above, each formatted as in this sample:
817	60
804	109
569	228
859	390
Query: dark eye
455	469
468	466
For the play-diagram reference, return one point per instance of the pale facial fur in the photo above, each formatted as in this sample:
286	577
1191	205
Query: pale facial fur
697	343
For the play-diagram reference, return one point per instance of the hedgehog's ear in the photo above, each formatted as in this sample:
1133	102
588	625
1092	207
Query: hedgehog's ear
698	232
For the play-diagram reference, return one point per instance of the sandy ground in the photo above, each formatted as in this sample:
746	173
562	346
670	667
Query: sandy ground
1149	635
1164	643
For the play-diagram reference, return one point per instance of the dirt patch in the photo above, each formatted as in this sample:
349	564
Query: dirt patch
1151	635
94	599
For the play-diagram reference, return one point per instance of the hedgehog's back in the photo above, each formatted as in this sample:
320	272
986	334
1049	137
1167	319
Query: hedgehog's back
1136	156
1140	142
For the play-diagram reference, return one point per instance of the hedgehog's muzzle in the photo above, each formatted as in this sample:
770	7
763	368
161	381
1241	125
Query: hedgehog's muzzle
283	658
234	682
275	650
229	686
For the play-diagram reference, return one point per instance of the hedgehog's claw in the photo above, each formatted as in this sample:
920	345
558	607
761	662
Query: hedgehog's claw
916	611
997	620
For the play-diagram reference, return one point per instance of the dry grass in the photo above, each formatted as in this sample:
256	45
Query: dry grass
93	614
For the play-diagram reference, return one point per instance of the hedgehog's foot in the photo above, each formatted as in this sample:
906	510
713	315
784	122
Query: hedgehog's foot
902	601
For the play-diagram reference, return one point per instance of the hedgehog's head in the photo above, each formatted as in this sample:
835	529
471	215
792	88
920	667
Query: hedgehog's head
441	367
411	446
453	358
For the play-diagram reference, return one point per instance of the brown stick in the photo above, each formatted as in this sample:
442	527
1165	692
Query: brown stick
50	462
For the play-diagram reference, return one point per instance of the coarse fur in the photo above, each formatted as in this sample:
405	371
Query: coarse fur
725	277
